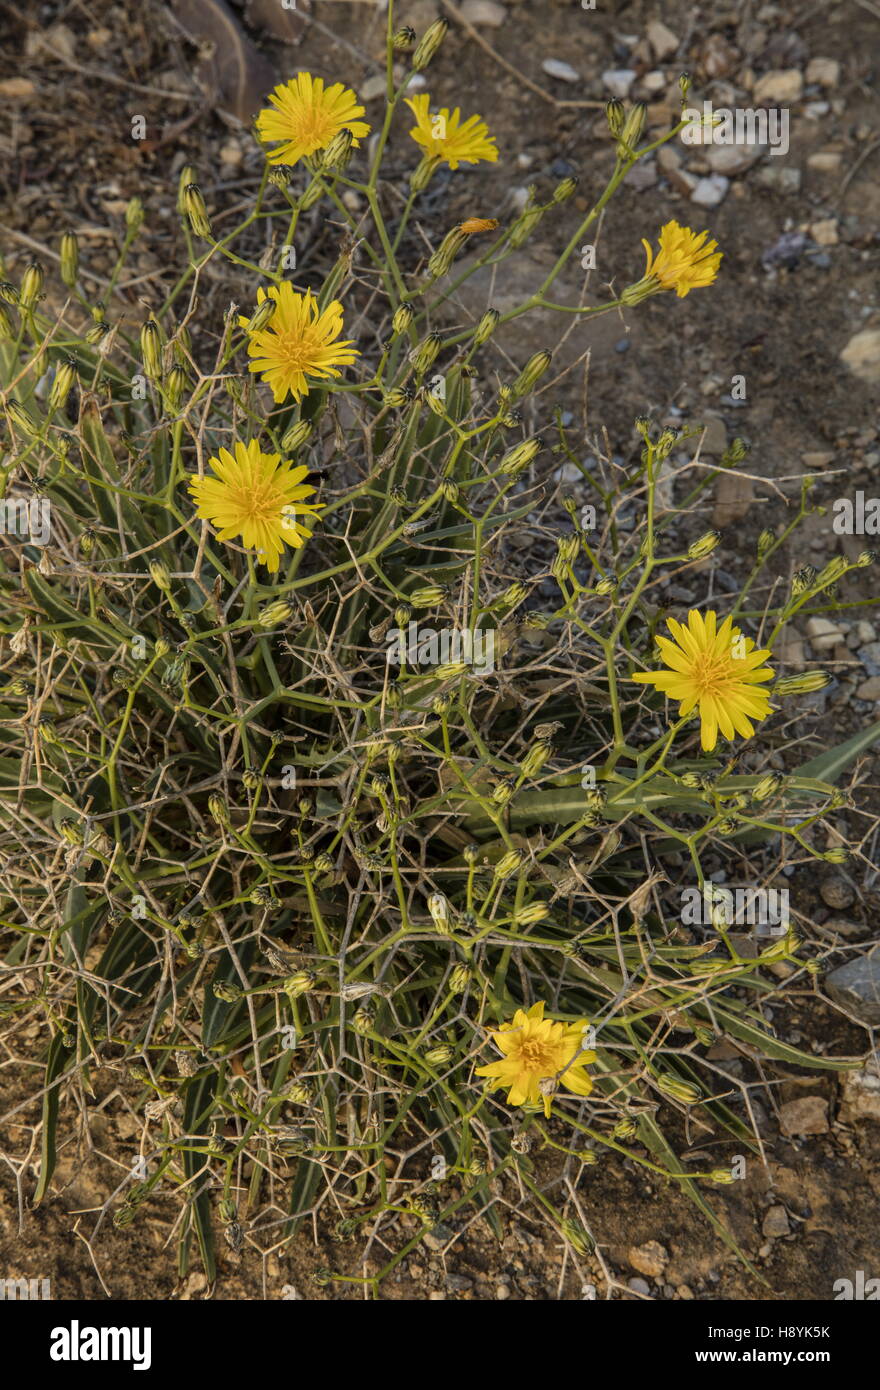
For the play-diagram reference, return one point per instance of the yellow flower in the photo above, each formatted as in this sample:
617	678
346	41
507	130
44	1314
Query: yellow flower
306	116
444	136
298	341
716	668
683	262
539	1057
255	496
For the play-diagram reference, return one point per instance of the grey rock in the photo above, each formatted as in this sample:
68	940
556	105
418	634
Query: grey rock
856	987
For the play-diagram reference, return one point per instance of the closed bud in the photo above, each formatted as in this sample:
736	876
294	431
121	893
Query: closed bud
524	225
69	259
402	614
428	44
174	386
8	293
300	1093
563	191
423	173
275	613
302	982
535	758
71	831
633	126
508	863
425	354
735	452
323	863
438	1056
615	115
31	285
65	376
441	260
261	316
531	373
449	490
398	397
402	319
7	328
520	457
684	1091
832	572
866	558
428	596
187	177
451	670
194	207
503	791
804	580
535	912
161	647
486	327
768	786
222	989
403	39
838	855
160	576
134	216
766	541
296	436
459	979
722	1175
22	418
218	809
151	349
806	684
574	1233
512	596
364	1018
337	153
704	546
624	1129
607	587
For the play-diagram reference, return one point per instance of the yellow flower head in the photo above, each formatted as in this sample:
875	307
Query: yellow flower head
716	668
255	496
684	262
299	341
540	1056
305	116
444	135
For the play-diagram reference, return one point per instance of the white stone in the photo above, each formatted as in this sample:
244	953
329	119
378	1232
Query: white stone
732	159
825	72
484	12
862	355
824	232
661	38
618	81
823	634
782	85
710	192
564	72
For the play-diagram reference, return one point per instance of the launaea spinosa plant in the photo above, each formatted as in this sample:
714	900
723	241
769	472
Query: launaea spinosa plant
346	766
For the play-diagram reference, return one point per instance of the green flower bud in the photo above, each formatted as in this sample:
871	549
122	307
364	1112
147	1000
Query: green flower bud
428	44
403	39
402	319
486	327
535	912
441	260
563	191
804	580
428	596
520	457
22	418
508	863
615	115
459	979
31	285
151	349
535	758
261	316
424	355
398	397
160	576
302	982
69	259
65	376
438	1056
531	373
134	216
275	613
221	989
194	207
684	1091
704	546
766	541
296	436
337	153
802	685
423	173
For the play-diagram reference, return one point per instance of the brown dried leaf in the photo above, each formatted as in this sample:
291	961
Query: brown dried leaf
236	73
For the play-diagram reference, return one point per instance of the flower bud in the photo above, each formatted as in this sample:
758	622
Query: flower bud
428	44
449	490
398	397
607	587
535	912
194	207
486	327
441	260
31	285
459	979
134	216
296	436
520	456
275	613
337	153
531	373
428	596
187	176
438	1056
402	319
722	1175
524	225
766	541
508	863
423	173
22	418
832	572
804	580
451	670
704	546
806	684
512	596
302	982
624	1129
228	993
174	386
261	316
866	558
768	786
838	855
633	126
7	328
535	758
151	349
69	259
65	376
684	1091
615	115
364	1018
160	576
403	39
735	452
424	355
563	191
